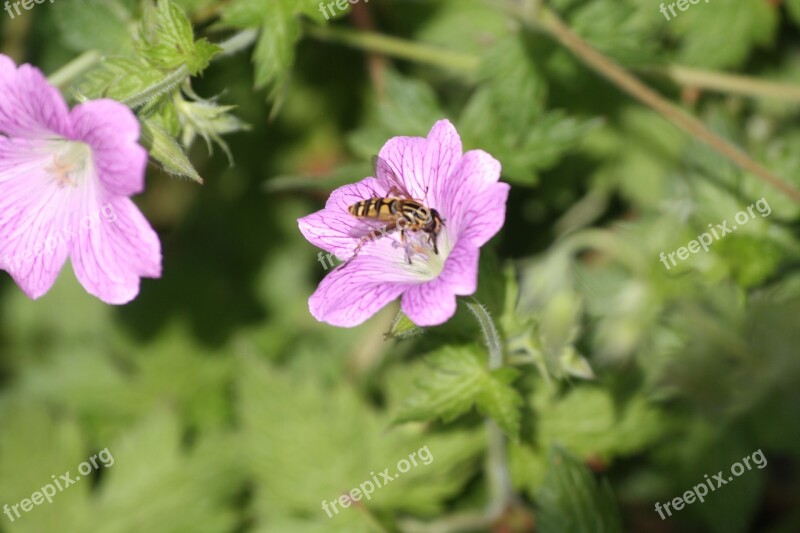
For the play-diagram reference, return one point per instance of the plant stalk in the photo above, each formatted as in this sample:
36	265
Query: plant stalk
398	48
552	25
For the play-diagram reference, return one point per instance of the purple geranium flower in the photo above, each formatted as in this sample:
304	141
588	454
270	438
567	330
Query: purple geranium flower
65	179
465	191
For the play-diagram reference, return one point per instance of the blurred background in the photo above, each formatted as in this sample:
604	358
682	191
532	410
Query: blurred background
228	408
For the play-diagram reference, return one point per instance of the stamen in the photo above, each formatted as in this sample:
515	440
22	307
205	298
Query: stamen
70	162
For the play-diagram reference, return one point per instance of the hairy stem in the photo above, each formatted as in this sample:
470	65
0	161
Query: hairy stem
238	42
500	488
490	334
497	463
551	24
398	48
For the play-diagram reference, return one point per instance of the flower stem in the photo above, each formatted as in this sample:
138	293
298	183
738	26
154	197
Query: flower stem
725	83
395	47
168	84
500	487
238	42
547	21
490	334
66	74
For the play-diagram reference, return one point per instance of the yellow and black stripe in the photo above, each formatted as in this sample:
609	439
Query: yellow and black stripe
376	208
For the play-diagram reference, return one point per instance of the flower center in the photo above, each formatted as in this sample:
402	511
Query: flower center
425	263
71	160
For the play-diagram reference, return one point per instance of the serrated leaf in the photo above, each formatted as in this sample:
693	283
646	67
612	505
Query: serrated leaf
120	78
403	328
459	379
167	40
279	25
329	440
524	152
208	120
167	152
570	500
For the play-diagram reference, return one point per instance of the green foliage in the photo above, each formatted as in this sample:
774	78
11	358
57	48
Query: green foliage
507	113
279	30
706	30
167	152
228	408
108	19
409	106
571	500
167	40
332	442
458	380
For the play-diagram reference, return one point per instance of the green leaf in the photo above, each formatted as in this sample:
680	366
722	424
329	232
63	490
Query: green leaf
627	31
409	107
526	151
403	328
460	379
167	40
570	500
198	483
506	114
167	152
329	440
464	25
208	120
108	20
586	422
705	31
794	10
280	30
123	78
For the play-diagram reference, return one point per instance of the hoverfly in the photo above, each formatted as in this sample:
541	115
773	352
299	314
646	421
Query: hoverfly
397	211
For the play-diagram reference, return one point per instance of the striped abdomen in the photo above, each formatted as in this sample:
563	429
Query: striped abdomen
386	209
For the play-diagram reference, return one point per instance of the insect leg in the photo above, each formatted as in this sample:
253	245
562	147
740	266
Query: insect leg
375	234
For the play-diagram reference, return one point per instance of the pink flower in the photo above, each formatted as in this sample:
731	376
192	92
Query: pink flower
465	191
65	181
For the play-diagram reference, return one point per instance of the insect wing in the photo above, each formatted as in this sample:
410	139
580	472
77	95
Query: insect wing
385	174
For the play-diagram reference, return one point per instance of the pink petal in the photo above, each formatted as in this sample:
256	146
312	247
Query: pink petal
33	217
475	205
347	195
112	131
350	295
430	304
425	164
486	215
442	157
334	229
115	250
434	303
7	68
31	108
